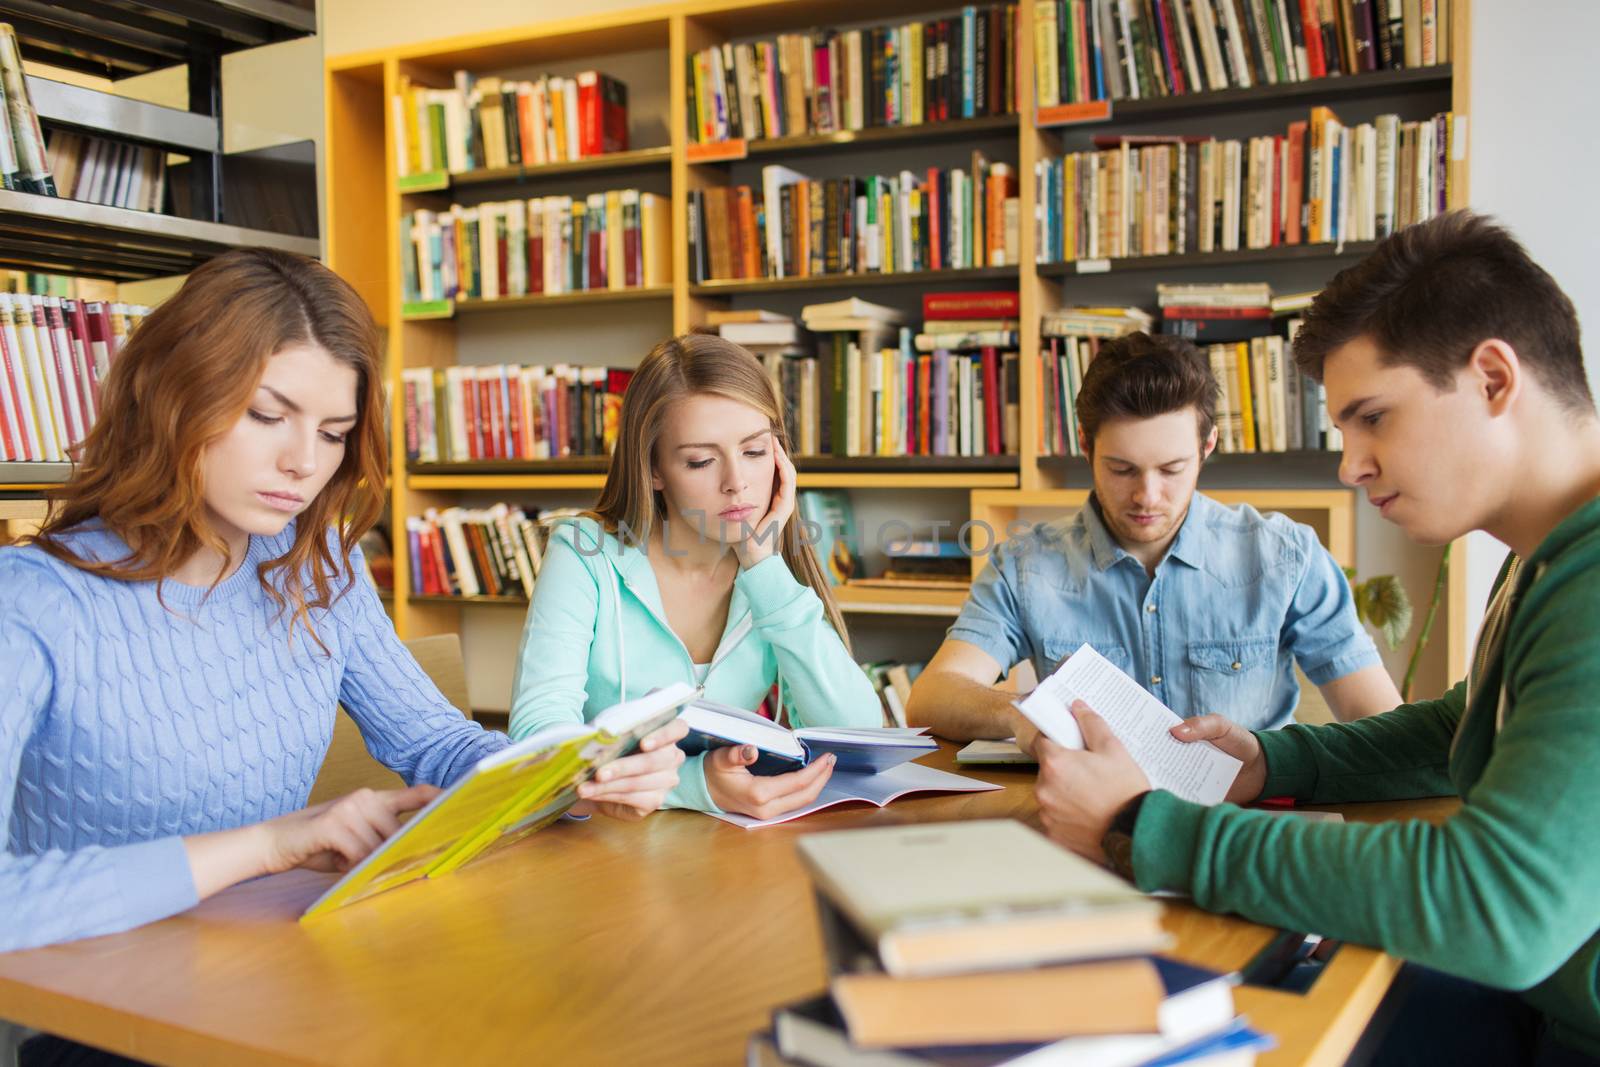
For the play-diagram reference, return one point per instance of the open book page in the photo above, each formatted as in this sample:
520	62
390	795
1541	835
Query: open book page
878	789
1197	771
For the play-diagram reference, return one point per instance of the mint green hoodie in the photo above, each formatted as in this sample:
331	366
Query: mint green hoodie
597	634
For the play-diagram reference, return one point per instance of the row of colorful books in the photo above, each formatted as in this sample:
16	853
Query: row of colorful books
1088	50
827	80
1264	403
491	122
103	171
797	227
510	412
855	381
1321	182
493	551
620	239
54	353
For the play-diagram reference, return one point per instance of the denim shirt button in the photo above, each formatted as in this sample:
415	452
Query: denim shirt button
1155	679
1236	665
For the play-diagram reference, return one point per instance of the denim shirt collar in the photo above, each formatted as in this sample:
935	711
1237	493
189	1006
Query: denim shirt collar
1188	548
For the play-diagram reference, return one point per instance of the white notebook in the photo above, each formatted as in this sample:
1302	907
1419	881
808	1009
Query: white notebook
1197	771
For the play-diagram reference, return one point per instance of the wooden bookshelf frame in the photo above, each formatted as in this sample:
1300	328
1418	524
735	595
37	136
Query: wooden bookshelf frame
363	231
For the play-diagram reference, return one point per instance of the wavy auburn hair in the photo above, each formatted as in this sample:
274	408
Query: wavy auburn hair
184	378
676	369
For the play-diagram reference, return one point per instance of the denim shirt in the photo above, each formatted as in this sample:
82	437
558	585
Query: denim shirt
1238	598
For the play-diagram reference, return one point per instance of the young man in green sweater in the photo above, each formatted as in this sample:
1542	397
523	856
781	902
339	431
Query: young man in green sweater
1453	367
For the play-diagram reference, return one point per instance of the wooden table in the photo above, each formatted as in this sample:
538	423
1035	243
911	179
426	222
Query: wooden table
668	941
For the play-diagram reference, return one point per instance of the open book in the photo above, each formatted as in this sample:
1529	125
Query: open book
866	751
871	788
1197	771
505	797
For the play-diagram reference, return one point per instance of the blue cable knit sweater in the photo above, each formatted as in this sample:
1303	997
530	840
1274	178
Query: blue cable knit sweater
125	725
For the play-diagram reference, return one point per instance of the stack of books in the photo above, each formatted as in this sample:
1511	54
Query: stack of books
614	240
54	353
828	80
494	551
511	411
494	122
1267	405
892	680
1088	50
1319	182
1069	341
795	226
982	942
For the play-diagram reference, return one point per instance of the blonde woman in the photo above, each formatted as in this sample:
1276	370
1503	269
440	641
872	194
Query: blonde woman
691	568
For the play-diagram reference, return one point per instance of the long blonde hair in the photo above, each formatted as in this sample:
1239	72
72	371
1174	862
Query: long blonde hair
678	368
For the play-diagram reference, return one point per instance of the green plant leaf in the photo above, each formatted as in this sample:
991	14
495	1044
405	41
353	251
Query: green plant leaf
1383	602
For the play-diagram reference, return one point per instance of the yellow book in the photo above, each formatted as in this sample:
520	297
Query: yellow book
1247	411
413	130
655	239
616	269
504	798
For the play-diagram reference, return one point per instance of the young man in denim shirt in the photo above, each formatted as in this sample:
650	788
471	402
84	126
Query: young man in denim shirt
1208	607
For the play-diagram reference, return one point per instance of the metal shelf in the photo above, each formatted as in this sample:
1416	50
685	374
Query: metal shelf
59	236
40	475
118	40
110	115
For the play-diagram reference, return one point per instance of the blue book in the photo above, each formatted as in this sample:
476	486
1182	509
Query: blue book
969	61
863	751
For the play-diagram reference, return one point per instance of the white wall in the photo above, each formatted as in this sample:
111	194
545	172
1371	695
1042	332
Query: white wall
1535	148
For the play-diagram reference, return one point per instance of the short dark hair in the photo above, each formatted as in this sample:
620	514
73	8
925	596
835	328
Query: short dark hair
1140	376
1430	294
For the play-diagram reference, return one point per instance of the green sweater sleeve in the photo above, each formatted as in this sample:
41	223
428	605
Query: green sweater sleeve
822	685
1502	893
1398	755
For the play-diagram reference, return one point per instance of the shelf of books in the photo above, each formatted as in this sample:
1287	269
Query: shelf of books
922	219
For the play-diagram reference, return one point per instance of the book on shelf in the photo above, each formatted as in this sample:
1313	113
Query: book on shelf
828	525
795	226
726	316
54	353
34	283
852	308
1004	304
1087	50
491	122
891	680
614	240
931	899
1319	182
857	751
24	159
103	171
504	798
509	411
771	332
902	580
828	80
377	557
1198	772
468	552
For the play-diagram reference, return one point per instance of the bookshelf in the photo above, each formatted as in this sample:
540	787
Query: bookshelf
659	40
58	235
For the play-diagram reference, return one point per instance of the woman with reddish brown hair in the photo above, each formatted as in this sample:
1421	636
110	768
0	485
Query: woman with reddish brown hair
174	640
